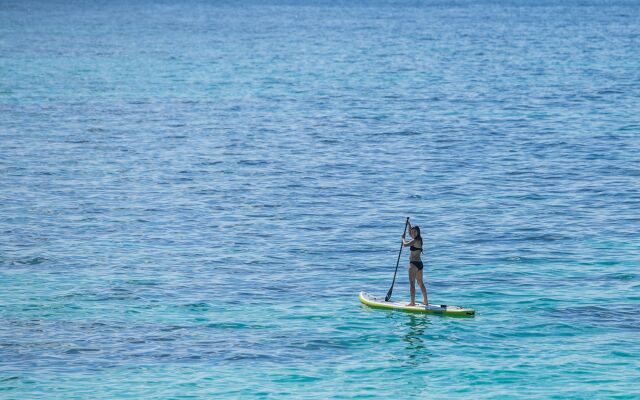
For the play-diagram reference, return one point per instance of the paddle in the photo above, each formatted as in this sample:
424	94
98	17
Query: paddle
397	263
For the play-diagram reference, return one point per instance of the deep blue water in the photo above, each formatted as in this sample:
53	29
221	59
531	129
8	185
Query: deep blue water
193	193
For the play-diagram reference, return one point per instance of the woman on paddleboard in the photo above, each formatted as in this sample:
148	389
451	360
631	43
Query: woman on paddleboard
415	264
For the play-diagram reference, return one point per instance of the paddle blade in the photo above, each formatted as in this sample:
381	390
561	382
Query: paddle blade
388	296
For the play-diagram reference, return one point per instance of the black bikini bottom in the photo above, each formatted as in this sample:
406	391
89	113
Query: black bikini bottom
418	264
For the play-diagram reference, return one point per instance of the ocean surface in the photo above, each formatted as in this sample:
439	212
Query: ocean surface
193	193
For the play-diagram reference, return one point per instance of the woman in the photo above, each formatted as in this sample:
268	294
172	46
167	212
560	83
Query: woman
415	264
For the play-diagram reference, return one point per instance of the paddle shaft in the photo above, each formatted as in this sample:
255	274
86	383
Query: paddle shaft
397	263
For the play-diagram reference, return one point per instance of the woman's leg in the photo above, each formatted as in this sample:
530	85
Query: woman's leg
412	284
423	289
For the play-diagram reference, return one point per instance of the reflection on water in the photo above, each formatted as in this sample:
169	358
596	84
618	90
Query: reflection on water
414	337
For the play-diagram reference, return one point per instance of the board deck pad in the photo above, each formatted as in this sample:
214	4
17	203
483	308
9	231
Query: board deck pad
442	309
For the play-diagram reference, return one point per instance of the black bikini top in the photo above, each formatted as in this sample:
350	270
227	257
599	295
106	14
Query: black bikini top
413	248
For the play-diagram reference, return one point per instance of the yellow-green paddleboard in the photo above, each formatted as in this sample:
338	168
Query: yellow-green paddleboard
379	302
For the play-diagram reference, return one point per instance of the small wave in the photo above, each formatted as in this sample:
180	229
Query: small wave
81	350
629	128
252	162
32	261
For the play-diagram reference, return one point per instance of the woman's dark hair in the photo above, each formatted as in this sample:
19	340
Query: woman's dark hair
418	237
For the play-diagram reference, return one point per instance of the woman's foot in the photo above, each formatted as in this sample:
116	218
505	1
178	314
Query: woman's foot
411	304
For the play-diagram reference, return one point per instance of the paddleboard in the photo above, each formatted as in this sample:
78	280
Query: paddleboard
379	302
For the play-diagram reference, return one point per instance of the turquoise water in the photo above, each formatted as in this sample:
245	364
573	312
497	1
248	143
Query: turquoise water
192	194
